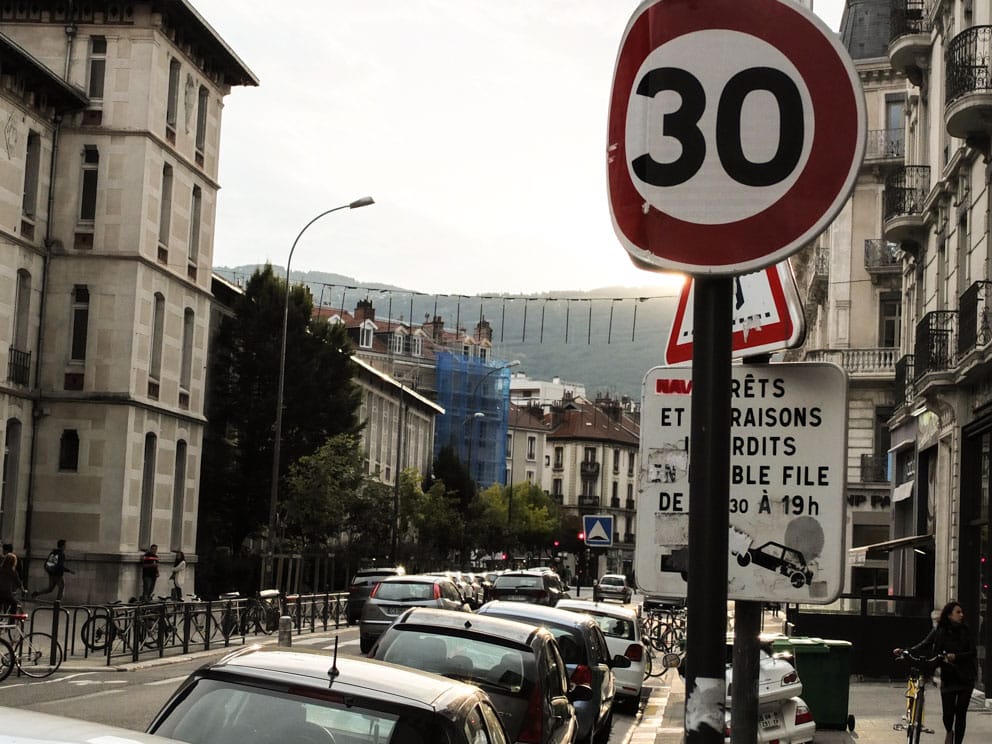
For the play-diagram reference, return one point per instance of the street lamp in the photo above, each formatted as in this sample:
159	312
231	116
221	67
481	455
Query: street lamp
277	437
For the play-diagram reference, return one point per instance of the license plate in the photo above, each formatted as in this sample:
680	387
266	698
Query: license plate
517	598
394	610
768	720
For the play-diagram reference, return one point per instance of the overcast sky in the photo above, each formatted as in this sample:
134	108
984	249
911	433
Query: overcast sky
478	126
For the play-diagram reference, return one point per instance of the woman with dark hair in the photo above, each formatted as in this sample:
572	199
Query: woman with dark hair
178	574
10	583
951	637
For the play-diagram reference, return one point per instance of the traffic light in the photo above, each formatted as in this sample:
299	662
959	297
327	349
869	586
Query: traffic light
557	543
582	536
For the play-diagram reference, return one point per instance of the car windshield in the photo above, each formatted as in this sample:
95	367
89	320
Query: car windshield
216	712
405	591
519	582
494	666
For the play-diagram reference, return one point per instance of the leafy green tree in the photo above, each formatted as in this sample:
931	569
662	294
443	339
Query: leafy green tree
322	492
320	401
532	523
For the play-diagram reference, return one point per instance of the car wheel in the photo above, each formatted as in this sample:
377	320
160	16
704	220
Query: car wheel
365	644
743	559
602	736
797	580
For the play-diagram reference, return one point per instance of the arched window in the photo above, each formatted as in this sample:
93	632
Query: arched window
147	492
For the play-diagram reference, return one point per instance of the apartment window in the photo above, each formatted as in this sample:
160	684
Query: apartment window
616	459
509	445
417	346
172	105
630	492
559	457
87	200
630	464
22	310
529	475
889	319
147	510
615	491
165	206
179	495
195	209
556	487
80	322
531	447
201	118
158	333
97	67
32	169
69	450
589	454
397	343
483	354
185	372
365	335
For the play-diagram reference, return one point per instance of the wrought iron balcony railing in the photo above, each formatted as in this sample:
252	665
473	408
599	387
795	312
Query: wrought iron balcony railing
906	190
588	500
885	144
18	366
630	503
588	469
968	57
874	469
975	317
904	390
935	347
907	17
882	256
615	502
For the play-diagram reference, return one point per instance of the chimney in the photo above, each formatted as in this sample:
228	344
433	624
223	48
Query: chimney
483	331
364	310
437	328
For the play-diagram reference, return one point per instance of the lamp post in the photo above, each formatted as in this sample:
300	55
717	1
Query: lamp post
277	436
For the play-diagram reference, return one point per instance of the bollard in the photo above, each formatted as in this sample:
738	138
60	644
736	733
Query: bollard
285	631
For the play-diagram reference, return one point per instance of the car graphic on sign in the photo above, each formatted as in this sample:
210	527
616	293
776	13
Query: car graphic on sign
777	557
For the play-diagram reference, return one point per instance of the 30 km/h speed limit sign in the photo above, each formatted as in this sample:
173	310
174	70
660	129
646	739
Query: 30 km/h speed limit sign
736	131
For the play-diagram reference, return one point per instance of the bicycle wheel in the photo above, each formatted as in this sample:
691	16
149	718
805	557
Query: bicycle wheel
6	659
95	632
38	655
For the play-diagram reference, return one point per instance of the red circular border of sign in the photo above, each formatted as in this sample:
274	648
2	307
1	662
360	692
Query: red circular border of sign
756	240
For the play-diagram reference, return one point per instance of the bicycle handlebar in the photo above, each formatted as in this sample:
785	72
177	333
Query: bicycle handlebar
905	653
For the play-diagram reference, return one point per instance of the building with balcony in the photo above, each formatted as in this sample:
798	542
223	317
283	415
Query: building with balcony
113	132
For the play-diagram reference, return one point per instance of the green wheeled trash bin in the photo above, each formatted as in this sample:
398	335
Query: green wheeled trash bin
824	668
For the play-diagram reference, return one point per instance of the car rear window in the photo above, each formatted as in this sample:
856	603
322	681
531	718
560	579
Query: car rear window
519	582
509	670
217	712
571	644
405	591
613	627
611	581
366	579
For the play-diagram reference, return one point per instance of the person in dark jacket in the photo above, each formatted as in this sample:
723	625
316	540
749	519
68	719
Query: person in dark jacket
56	569
149	573
951	637
10	583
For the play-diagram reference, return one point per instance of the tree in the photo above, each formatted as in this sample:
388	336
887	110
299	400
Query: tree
533	524
320	402
322	492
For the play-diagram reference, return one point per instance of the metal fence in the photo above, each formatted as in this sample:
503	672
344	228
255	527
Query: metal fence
128	632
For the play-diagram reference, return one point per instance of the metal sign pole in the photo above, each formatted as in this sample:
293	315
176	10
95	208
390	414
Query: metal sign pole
709	476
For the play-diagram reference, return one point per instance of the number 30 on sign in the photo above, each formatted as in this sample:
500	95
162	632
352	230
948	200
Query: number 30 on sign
736	132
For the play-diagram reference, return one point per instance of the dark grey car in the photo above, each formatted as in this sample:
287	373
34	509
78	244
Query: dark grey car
544	587
361	586
517	664
393	596
309	696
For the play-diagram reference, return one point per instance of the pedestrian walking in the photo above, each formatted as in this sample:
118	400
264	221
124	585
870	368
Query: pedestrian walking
56	569
177	575
951	637
149	572
10	583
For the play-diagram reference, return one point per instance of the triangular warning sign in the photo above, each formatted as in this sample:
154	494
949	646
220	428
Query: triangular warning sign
768	315
598	533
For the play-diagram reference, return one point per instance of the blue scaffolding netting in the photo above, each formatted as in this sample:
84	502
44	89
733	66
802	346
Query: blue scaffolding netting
476	399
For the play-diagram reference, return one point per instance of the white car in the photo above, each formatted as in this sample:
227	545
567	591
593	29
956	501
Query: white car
623	636
777	679
785	722
30	727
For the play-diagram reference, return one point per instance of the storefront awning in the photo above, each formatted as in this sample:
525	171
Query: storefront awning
903	491
880	551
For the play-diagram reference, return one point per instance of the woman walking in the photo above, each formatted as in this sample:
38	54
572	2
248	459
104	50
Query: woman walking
10	584
952	638
178	574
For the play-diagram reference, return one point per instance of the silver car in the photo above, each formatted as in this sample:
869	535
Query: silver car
393	596
30	727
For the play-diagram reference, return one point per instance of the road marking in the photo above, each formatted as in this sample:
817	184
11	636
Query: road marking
170	681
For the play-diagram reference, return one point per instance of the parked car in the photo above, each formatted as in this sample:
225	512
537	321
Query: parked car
777	678
785	722
517	664
30	727
311	696
361	586
544	587
623	637
396	594
612	586
586	655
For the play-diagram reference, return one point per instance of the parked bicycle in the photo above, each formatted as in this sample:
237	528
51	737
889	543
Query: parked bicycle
663	627
920	675
34	654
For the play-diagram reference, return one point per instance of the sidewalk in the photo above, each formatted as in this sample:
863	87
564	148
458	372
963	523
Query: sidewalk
876	706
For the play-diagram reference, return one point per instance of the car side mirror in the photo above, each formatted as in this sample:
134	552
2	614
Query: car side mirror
561	709
579	693
620	662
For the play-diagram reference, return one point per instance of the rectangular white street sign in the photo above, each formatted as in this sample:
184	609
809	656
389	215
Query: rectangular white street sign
788	456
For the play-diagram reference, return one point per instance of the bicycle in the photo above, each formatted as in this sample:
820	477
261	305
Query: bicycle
916	688
35	654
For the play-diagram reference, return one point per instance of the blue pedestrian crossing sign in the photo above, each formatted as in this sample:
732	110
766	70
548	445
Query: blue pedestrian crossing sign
598	529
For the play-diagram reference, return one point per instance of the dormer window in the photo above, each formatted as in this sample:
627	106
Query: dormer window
398	342
417	346
483	354
366	334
